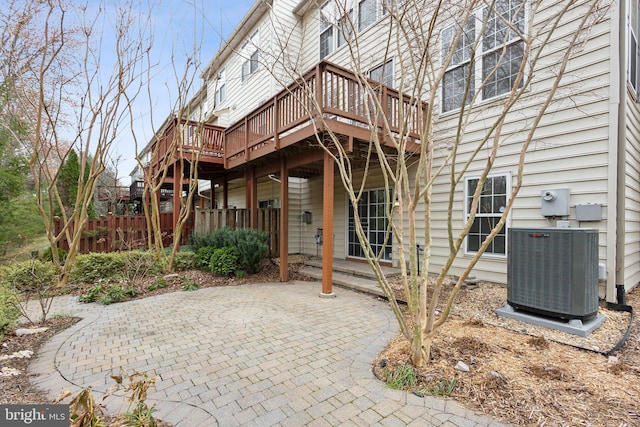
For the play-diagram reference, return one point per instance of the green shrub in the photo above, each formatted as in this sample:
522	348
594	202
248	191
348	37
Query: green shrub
224	261
9	313
92	267
186	260
204	256
217	239
29	276
251	245
114	266
47	255
252	249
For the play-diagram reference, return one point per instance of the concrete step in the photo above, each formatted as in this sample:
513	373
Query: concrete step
345	280
351	268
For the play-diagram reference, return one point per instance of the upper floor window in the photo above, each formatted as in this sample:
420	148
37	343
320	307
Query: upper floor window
250	53
633	59
335	25
383	73
221	92
366	13
502	49
491	205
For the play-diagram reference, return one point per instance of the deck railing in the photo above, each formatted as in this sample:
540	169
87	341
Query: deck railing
329	91
190	138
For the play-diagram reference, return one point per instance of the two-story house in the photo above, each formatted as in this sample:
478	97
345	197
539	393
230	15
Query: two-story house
586	145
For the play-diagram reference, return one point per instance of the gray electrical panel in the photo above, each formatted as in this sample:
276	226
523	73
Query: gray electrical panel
555	202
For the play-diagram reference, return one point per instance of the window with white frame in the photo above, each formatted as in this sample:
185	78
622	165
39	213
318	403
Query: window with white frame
366	13
336	21
491	205
388	5
221	92
501	52
383	73
250	53
633	58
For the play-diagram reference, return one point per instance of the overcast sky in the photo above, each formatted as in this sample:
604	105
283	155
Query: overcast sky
175	22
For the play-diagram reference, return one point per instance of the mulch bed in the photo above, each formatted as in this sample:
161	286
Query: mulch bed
525	374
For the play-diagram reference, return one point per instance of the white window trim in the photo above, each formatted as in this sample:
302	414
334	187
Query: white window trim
220	94
507	223
249	49
382	65
477	14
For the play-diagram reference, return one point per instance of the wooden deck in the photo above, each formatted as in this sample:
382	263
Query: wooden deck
290	118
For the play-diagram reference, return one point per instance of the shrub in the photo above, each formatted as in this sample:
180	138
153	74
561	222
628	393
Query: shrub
217	239
8	310
224	261
251	246
204	256
29	276
252	249
132	265
92	267
140	264
47	255
186	260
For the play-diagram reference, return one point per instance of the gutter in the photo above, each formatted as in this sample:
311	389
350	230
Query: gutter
621	160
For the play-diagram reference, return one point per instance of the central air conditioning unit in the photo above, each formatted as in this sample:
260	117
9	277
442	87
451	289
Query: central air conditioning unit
553	271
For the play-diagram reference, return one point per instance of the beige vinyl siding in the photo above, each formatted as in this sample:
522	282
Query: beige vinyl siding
632	196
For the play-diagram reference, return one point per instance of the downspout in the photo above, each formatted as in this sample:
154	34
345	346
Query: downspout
621	160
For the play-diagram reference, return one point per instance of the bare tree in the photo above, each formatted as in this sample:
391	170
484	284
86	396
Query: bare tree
70	98
177	146
420	130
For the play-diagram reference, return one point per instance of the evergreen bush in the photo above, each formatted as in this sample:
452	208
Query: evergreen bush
9	312
89	268
186	260
224	261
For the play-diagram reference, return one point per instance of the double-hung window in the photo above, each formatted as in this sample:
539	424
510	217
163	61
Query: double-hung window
383	73
250	53
366	13
633	59
458	84
336	22
491	205
496	33
221	92
502	46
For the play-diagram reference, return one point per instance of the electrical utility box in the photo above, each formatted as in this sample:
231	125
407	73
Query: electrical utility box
553	271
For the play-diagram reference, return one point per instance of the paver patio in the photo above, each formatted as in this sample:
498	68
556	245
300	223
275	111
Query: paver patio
262	354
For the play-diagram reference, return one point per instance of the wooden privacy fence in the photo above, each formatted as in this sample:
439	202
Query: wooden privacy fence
208	220
115	233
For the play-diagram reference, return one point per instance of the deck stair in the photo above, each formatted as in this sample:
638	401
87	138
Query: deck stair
356	276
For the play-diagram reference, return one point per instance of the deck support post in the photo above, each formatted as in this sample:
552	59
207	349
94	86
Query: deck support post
252	197
225	193
284	221
177	196
327	227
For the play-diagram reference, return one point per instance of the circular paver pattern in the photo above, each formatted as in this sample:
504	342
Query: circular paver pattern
262	354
